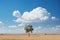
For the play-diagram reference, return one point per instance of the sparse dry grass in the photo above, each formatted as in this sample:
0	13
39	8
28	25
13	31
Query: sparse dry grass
32	37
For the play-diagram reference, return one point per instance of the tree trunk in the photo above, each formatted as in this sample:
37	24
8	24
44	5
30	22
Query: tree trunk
29	34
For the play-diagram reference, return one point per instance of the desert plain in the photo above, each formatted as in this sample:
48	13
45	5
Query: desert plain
32	37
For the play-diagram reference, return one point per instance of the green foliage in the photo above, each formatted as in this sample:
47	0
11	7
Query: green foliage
28	28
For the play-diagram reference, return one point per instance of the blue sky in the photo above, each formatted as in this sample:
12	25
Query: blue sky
12	12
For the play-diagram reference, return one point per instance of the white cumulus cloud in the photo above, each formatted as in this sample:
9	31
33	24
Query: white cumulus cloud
16	13
38	14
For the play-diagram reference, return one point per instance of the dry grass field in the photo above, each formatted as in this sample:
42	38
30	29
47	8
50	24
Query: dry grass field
32	37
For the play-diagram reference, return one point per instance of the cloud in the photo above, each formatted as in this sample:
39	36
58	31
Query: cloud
22	24
49	30
16	13
1	23
38	14
12	31
13	26
53	18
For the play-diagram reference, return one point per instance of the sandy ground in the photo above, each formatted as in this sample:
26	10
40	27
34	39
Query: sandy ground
32	37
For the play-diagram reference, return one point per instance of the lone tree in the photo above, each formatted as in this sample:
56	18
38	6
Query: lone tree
28	29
